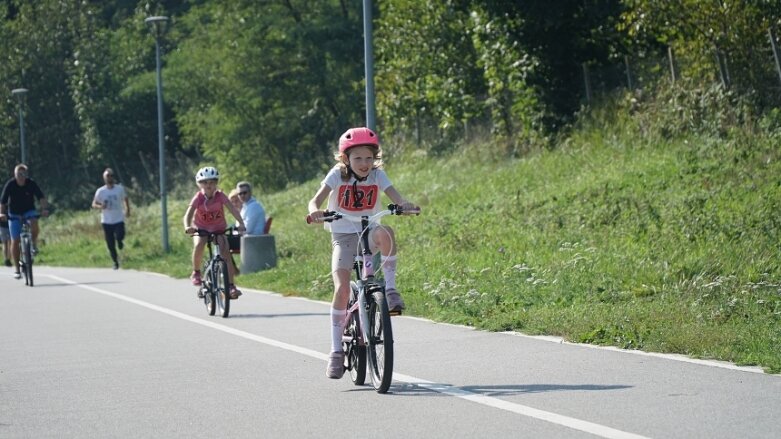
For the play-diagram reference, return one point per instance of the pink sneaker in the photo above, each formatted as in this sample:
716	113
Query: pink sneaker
235	292
195	277
395	302
335	368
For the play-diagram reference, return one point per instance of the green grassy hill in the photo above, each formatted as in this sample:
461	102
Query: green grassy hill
666	246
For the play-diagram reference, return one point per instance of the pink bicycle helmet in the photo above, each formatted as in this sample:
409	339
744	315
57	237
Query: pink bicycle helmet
358	137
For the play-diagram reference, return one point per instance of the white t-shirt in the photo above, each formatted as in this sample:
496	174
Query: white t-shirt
112	200
364	200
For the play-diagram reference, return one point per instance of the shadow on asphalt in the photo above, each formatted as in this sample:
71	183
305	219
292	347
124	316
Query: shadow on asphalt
60	284
274	316
502	390
538	388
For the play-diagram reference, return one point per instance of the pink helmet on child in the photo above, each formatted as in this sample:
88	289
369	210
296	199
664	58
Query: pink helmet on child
358	137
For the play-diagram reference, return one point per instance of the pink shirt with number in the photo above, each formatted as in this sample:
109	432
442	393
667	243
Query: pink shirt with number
209	214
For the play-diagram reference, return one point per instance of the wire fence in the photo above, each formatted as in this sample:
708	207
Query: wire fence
638	72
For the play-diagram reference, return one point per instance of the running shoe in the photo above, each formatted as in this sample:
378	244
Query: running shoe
335	367
395	303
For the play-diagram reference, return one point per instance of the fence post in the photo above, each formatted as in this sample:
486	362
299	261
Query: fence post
628	72
772	31
671	57
587	81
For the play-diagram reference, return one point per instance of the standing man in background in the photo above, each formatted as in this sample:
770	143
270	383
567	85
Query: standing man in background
114	205
252	211
5	237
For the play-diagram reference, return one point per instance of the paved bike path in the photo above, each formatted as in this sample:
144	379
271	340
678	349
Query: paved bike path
127	346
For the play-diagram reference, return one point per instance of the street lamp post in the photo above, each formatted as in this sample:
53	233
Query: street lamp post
368	64
19	93
158	22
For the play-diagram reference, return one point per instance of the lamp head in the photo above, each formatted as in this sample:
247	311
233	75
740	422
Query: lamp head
156	19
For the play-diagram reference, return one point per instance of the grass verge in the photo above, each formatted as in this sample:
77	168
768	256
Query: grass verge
670	247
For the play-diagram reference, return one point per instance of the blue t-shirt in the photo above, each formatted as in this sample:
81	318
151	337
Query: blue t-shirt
254	216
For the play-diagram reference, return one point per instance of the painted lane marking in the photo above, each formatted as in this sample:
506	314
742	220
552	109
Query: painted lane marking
531	412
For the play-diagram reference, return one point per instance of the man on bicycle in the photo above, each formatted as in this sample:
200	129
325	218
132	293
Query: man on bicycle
17	202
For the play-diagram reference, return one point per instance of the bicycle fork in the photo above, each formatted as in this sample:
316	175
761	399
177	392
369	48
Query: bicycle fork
363	309
363	317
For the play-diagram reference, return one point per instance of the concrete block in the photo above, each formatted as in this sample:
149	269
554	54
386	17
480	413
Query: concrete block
258	252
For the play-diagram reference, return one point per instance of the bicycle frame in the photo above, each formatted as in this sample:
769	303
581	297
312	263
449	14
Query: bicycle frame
368	333
213	247
26	254
364	277
210	275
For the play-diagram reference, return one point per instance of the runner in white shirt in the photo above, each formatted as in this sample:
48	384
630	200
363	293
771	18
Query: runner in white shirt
114	205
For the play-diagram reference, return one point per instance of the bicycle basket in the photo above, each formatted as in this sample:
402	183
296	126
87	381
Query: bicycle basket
234	242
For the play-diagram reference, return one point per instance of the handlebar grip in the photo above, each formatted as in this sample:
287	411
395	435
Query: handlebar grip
329	216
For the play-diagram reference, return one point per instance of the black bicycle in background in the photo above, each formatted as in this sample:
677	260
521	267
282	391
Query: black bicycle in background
215	283
27	252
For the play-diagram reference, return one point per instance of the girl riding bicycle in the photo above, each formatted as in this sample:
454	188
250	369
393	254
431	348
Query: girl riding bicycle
205	212
353	186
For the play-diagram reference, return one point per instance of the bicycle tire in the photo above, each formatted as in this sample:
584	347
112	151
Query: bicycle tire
27	261
209	301
208	291
354	349
222	287
380	343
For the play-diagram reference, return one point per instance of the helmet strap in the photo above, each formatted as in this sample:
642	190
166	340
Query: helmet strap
351	172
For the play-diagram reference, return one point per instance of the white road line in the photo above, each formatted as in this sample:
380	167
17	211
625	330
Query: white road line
673	357
558	340
553	418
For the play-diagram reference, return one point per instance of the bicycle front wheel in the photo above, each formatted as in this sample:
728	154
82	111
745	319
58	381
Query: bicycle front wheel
208	300
207	289
380	349
27	261
353	345
222	290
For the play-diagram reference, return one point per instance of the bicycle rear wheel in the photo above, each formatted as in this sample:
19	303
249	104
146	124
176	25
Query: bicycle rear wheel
222	287
354	349
208	290
380	350
27	261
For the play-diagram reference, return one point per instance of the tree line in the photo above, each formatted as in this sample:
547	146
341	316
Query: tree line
263	88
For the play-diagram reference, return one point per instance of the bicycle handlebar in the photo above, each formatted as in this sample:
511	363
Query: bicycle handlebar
393	209
202	232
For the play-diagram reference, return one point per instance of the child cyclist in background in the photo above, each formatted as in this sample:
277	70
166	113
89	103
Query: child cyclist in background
205	212
353	186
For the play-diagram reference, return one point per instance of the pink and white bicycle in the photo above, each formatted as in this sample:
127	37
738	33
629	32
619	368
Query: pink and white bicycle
368	334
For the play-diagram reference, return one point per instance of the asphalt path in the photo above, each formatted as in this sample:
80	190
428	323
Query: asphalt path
93	353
